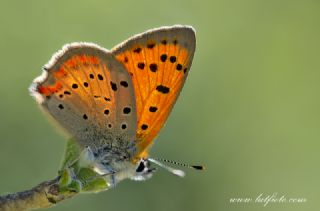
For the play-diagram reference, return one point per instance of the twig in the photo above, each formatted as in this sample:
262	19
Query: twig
43	195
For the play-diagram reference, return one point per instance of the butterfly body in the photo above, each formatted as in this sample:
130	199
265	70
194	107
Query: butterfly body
114	103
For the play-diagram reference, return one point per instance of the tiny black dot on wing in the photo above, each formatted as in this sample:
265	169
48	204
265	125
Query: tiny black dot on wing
173	59
150	45
91	76
153	67
61	106
100	77
137	50
144	126
126	110
179	67
85	84
124	83
113	86
74	86
141	65
163	57
153	108
85	116
163	89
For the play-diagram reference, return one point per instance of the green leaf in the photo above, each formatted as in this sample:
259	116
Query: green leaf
96	185
72	153
79	178
65	177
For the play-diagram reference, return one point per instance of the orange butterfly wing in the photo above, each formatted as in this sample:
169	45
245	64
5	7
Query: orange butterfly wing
89	93
158	61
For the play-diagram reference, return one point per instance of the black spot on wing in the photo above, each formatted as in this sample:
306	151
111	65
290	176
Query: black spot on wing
123	126
163	89
179	67
137	50
163	57
100	77
141	65
153	67
173	59
153	108
150	45
144	126
124	83
126	110
113	86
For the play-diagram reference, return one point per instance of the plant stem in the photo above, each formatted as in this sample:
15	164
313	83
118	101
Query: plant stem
44	195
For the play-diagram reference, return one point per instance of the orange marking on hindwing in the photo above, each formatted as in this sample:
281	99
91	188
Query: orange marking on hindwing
71	63
94	60
48	90
81	60
60	73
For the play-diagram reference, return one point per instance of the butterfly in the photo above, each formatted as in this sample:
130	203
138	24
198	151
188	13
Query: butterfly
113	103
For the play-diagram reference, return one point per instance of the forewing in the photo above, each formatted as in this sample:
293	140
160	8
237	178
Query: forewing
158	61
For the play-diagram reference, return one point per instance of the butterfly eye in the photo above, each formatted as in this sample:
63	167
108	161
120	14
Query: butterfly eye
141	167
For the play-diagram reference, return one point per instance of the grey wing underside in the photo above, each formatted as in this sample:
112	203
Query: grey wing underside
90	94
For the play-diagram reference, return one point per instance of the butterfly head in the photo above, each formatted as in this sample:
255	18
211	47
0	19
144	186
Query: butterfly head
121	166
143	170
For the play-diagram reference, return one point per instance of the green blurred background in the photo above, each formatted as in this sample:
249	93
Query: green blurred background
249	110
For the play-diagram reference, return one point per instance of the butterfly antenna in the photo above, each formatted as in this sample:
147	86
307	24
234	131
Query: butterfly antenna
177	172
196	167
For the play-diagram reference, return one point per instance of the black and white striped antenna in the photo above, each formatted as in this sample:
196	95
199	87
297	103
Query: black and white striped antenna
176	172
